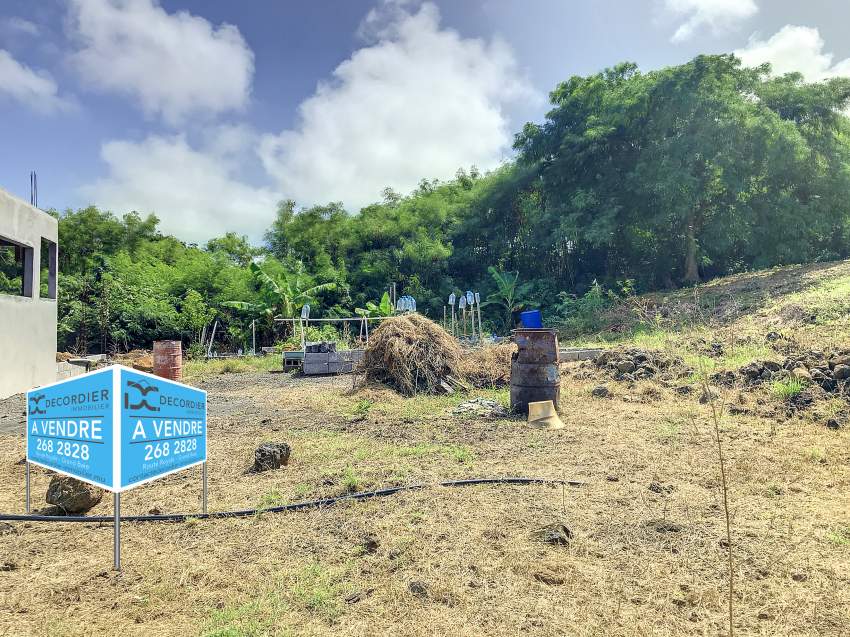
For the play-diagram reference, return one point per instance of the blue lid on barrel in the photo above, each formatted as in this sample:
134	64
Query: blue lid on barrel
531	319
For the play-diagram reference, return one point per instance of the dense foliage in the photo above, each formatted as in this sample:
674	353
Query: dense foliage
634	181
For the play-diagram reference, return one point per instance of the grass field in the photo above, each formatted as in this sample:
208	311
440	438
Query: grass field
647	554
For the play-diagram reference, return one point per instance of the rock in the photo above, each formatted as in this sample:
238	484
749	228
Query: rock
600	391
752	370
271	455
6	566
52	510
664	526
625	366
612	478
683	390
841	372
549	578
358	596
839	360
370	544
6	528
773	336
708	395
833	423
773	366
657	487
72	495
418	588
481	407
801	373
555	533
766	374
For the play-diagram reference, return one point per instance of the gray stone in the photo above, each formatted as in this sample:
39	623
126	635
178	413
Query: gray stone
772	366
555	533
418	588
626	366
600	391
801	373
752	371
271	455
72	495
839	360
841	372
708	395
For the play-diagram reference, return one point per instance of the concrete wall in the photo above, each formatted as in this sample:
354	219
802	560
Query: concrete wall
27	325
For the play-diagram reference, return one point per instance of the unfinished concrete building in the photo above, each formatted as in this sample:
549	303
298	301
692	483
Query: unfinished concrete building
28	267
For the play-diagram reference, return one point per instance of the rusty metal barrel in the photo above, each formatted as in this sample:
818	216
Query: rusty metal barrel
534	368
168	359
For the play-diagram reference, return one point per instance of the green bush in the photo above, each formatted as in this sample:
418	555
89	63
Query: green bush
315	334
582	314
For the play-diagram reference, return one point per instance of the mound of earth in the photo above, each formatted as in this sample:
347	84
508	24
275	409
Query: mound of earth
630	363
829	370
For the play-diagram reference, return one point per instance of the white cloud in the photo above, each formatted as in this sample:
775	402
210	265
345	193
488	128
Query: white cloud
195	192
36	89
794	49
174	64
420	101
717	15
16	25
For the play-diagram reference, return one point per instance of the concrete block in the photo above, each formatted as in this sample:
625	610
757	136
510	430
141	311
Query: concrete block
312	369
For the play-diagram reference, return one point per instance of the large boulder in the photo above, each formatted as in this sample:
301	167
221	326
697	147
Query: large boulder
271	455
72	495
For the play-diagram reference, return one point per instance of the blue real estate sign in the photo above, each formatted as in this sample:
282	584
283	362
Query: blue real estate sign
70	428
163	427
117	428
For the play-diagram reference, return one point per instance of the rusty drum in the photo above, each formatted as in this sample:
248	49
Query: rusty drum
535	374
168	359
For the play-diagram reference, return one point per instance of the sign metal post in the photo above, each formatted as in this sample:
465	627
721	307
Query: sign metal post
116	505
204	483
28	486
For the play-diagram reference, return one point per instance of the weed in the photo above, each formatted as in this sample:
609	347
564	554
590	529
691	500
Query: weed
773	490
668	430
786	389
317	590
816	454
840	536
270	499
361	408
350	480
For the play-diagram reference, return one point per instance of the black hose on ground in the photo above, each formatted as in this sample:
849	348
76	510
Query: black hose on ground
295	506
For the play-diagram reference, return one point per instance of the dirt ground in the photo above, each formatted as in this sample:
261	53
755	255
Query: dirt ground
646	555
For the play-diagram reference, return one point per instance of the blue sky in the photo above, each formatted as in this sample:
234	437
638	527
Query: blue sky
207	112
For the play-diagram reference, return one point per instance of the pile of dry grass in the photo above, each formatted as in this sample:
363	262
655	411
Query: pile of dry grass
489	366
411	354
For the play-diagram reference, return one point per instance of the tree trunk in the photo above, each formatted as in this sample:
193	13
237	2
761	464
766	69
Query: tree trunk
691	265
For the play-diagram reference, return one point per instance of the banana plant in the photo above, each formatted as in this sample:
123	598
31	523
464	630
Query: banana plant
510	294
384	308
282	295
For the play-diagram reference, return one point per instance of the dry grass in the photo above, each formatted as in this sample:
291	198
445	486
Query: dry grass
411	354
488	366
474	549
